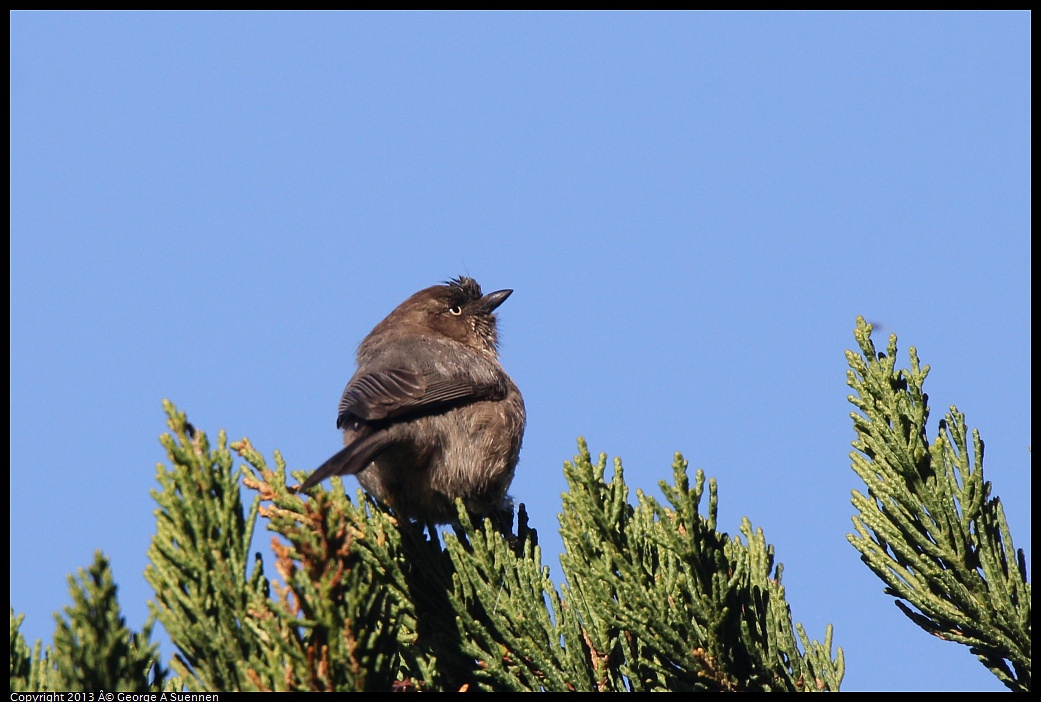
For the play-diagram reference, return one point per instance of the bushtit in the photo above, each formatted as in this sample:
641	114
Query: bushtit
430	415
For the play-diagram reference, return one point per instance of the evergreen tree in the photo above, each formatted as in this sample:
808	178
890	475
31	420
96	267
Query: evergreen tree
656	598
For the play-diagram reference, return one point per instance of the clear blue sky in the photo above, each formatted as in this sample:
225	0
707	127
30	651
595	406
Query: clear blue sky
691	208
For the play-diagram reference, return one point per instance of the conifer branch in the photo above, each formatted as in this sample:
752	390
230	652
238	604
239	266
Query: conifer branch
205	597
668	602
928	526
93	648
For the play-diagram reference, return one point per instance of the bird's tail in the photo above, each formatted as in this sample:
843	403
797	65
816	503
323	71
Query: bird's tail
349	460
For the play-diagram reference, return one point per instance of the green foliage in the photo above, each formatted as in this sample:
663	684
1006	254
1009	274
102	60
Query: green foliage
205	598
367	603
27	669
928	526
667	602
657	598
93	648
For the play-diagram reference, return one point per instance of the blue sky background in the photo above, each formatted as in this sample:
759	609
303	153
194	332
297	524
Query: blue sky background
691	209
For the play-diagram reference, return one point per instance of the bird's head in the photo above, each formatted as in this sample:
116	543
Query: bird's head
457	310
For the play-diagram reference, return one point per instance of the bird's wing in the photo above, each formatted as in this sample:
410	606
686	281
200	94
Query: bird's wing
392	393
384	395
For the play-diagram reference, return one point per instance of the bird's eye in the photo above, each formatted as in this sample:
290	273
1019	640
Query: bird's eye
455	310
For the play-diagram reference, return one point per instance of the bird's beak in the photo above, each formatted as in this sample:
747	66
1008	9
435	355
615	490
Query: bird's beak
492	300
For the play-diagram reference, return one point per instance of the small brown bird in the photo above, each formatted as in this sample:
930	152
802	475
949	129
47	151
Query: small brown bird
430	415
